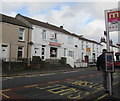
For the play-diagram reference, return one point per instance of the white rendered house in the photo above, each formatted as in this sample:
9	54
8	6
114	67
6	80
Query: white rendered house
52	42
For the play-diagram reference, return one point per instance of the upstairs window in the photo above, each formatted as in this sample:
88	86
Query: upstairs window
21	34
93	48
43	34
71	53
82	45
53	37
86	44
70	40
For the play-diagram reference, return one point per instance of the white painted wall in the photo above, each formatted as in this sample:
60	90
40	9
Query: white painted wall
63	39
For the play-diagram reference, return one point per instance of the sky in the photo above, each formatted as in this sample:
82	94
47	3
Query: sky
82	18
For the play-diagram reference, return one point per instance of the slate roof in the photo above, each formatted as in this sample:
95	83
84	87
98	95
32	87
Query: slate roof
53	27
111	45
92	41
47	25
11	20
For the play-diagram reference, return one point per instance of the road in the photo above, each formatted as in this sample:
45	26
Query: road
81	83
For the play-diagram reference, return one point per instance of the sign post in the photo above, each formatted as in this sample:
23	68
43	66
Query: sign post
109	60
112	18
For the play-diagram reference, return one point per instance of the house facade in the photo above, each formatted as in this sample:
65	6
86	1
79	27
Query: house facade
15	38
113	48
52	42
24	37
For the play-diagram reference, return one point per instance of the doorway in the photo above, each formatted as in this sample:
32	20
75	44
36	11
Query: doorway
53	52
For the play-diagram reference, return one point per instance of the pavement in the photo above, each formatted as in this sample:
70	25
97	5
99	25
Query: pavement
99	96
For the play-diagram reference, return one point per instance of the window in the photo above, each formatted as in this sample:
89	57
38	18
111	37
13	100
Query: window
70	40
93	48
53	37
82	56
71	53
20	52
53	52
86	44
97	48
64	51
43	34
21	34
82	45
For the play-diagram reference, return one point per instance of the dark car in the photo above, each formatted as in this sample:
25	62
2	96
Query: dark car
117	63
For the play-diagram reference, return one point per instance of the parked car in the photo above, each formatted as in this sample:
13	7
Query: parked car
117	63
92	63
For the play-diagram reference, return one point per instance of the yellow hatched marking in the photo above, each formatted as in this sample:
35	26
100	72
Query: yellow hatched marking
31	86
4	95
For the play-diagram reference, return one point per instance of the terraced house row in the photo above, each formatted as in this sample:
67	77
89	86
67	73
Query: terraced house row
24	37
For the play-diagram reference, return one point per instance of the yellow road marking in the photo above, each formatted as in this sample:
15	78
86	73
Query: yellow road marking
4	95
47	87
31	86
51	90
71	90
101	97
61	91
74	97
5	90
115	83
53	82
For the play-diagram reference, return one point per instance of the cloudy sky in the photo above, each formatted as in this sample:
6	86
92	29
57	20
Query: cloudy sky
82	18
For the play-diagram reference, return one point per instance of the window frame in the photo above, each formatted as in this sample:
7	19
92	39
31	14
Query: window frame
43	33
71	53
20	50
70	40
22	33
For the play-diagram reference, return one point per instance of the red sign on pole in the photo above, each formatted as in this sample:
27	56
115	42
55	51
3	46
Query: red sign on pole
112	19
114	16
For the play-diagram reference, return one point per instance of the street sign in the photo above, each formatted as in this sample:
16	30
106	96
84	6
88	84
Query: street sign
109	62
88	51
113	19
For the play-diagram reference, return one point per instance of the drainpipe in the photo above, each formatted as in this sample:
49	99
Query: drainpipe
28	62
10	56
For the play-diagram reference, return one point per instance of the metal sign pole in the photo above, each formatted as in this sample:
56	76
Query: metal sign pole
108	49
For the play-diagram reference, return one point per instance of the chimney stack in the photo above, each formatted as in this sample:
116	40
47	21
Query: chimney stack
61	27
111	42
102	39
